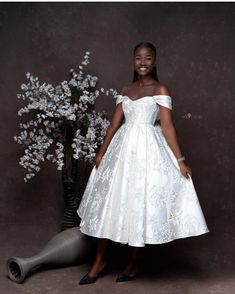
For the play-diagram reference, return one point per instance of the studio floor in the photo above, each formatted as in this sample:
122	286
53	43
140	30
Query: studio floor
160	271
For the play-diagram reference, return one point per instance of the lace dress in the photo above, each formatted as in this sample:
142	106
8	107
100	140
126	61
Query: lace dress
137	195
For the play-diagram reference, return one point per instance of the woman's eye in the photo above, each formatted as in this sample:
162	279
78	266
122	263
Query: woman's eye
138	58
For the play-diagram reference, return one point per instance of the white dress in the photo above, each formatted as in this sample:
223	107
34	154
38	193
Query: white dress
137	195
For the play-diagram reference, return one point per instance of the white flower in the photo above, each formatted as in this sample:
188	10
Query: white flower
52	107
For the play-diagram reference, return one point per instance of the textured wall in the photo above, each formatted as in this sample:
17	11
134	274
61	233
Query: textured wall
195	43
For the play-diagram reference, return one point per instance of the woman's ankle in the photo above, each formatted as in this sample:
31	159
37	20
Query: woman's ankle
130	270
95	269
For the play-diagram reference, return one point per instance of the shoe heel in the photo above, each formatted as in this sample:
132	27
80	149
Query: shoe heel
101	275
103	272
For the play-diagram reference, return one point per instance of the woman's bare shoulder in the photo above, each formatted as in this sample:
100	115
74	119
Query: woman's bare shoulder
124	89
162	89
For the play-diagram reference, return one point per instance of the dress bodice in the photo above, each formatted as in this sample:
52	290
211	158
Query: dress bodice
144	110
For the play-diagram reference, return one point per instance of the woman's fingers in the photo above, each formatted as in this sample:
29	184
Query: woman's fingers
189	173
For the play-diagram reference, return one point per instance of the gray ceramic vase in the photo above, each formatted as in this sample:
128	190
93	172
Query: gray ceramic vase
69	247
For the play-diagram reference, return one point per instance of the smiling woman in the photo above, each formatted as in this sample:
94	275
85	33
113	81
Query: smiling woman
144	61
139	191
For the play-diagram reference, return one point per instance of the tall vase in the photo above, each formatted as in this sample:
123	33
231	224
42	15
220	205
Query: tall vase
69	179
70	218
69	247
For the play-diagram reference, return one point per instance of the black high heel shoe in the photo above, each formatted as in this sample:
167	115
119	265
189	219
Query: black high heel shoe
89	280
124	278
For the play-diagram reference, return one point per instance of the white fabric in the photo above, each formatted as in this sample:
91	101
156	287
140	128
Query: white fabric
137	195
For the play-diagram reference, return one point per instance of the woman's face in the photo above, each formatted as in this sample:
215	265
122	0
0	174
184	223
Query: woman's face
144	61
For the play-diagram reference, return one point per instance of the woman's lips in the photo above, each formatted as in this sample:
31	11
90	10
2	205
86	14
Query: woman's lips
142	68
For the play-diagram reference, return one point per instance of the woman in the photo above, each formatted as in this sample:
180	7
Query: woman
139	191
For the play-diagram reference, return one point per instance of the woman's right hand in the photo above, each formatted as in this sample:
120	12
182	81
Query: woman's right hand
97	160
185	170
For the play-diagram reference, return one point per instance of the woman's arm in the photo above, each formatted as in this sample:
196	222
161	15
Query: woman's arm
169	132
111	130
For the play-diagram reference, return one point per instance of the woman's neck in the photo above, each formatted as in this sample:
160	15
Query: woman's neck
145	81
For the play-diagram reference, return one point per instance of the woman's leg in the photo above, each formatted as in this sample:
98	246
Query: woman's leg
132	266
99	258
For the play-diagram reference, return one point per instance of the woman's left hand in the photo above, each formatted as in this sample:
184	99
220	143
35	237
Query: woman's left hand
185	170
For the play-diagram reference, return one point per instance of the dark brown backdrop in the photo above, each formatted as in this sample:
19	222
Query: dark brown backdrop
195	43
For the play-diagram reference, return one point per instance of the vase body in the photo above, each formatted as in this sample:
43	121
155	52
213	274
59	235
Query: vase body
69	247
70	218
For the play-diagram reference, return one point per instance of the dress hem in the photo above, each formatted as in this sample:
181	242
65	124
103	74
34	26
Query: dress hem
146	243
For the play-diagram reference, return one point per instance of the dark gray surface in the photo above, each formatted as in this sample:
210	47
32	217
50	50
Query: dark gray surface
195	42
